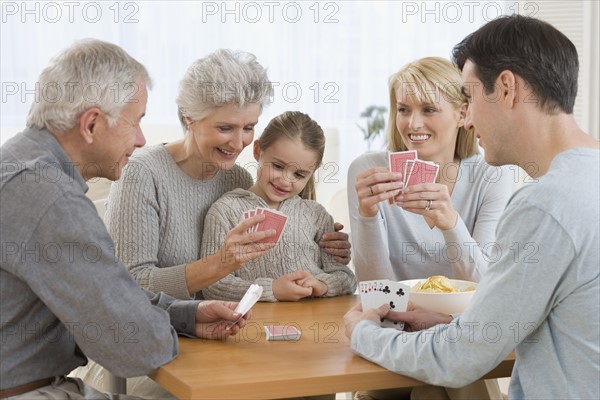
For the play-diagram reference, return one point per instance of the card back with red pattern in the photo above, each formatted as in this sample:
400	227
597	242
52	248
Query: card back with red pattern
273	220
419	171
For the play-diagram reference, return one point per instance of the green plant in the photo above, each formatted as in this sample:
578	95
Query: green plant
375	123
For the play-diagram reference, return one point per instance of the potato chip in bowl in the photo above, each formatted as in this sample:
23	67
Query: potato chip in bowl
441	294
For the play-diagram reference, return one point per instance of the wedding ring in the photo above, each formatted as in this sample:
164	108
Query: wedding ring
371	189
428	206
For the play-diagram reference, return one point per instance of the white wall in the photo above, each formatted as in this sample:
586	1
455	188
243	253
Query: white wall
578	20
353	46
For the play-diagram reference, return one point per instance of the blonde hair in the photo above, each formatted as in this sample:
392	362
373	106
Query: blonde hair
296	125
426	78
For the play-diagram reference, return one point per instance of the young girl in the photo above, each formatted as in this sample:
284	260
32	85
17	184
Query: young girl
288	152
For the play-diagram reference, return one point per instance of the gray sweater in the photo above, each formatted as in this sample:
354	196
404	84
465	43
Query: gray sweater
155	214
64	295
298	247
542	296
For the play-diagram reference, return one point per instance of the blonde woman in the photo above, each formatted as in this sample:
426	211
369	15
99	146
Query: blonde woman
397	241
442	228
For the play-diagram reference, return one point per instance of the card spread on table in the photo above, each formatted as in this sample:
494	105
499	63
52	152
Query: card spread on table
282	332
375	293
273	220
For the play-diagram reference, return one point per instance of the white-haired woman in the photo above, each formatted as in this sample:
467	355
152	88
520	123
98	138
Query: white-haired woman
156	212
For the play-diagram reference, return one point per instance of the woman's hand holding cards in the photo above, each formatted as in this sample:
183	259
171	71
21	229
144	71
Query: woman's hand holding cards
241	246
421	194
374	186
432	201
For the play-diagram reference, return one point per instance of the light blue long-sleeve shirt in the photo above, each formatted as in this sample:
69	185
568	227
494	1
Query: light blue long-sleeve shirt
541	297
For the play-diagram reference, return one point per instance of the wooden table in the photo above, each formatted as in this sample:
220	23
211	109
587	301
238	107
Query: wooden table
247	366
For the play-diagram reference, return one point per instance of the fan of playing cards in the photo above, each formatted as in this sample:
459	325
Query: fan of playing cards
413	170
273	220
373	294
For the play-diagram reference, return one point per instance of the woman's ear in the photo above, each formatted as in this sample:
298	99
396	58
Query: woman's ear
462	114
188	122
256	150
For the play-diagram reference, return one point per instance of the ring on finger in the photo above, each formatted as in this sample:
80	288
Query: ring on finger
428	206
371	189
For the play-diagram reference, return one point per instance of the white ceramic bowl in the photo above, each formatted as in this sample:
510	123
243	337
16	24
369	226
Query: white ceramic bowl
447	303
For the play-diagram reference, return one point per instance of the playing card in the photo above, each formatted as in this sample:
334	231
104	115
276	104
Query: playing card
375	293
252	213
419	171
273	220
398	160
369	295
250	298
282	332
246	216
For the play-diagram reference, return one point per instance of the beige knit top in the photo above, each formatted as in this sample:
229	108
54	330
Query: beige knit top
298	247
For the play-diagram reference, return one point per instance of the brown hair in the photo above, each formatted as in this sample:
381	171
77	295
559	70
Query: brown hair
296	125
426	77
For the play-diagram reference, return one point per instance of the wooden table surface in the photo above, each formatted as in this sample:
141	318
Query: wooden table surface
247	366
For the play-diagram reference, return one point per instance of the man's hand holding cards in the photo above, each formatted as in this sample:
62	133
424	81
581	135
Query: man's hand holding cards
375	293
250	298
273	220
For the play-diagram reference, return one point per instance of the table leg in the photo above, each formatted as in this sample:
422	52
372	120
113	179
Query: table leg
116	384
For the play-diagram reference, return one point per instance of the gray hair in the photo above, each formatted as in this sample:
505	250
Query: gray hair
89	73
222	78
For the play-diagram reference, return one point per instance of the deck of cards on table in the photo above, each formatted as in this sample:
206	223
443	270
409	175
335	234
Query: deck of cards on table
273	220
375	293
282	332
413	170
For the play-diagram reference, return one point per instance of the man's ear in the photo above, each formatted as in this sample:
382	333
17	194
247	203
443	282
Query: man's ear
89	124
506	84
256	149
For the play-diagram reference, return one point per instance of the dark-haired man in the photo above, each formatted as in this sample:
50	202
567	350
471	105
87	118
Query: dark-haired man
542	296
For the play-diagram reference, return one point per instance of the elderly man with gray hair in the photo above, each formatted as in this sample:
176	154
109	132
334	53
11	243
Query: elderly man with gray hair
64	294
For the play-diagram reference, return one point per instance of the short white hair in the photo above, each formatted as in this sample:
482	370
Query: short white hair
90	73
221	78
